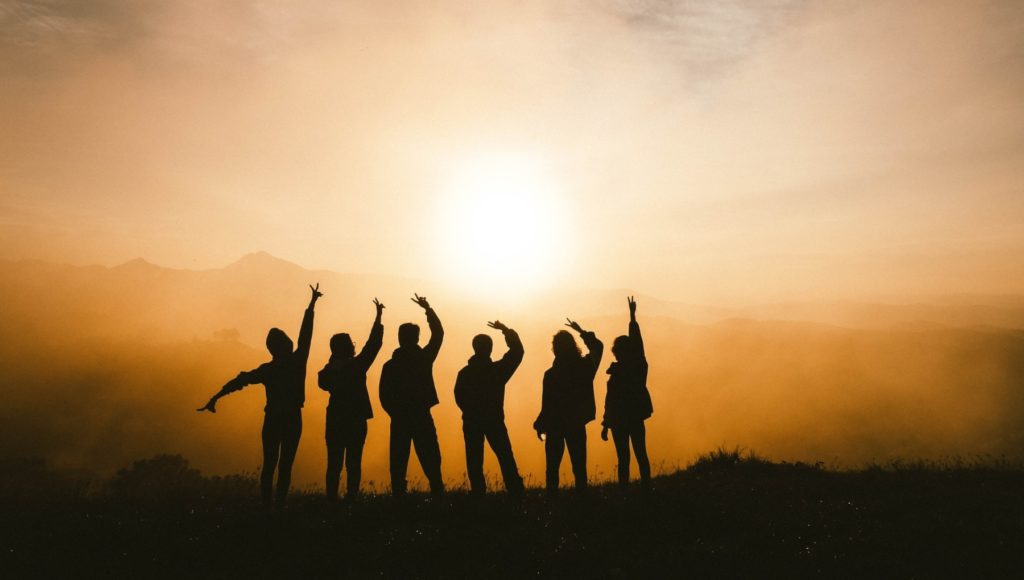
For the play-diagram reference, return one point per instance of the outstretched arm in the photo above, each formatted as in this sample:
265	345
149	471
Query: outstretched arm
374	341
436	330
306	331
243	379
595	348
514	356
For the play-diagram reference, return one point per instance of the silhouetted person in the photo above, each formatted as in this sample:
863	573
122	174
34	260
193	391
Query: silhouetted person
285	380
480	393
344	377
628	402
407	393
568	404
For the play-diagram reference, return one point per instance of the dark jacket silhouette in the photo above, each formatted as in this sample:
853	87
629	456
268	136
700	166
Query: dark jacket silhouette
407	380
480	385
480	394
344	377
284	379
567	399
628	400
627	403
407	393
567	405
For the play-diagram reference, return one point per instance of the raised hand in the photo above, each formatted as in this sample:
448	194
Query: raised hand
316	293
574	325
422	301
210	406
632	306
497	325
380	307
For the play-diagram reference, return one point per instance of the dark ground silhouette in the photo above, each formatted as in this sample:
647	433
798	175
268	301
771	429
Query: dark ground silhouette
728	515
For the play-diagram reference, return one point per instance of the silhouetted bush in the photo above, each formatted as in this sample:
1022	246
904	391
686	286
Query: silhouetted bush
170	476
159	476
737	460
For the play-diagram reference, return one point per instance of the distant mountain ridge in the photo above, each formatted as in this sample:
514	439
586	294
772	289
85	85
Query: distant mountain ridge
276	284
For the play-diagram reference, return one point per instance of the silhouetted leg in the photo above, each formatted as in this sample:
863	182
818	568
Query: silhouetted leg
429	452
621	437
271	449
335	459
474	438
354	464
400	441
289	445
554	448
497	436
576	441
639	437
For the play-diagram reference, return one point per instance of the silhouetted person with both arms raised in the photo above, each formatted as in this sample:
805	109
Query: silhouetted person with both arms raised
567	404
344	377
285	380
628	402
480	394
407	393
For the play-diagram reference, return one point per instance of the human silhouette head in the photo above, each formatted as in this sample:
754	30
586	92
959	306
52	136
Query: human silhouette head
278	343
341	345
622	348
483	345
564	345
408	335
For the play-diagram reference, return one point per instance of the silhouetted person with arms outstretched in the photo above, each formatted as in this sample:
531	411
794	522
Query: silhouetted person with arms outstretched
480	394
407	393
567	404
344	377
628	402
285	380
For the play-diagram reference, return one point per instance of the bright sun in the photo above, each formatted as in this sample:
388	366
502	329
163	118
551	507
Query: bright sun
503	228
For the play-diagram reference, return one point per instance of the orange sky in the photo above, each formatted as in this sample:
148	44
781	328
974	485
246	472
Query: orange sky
698	151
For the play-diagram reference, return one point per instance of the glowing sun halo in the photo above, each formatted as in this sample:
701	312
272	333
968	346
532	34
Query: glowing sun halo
502	226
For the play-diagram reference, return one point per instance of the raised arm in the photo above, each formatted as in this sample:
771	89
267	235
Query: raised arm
306	331
634	331
436	330
595	348
508	363
366	356
243	379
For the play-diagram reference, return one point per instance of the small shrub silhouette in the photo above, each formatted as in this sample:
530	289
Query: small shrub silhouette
742	461
161	476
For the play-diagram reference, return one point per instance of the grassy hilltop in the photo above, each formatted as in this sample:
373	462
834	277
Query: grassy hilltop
729	514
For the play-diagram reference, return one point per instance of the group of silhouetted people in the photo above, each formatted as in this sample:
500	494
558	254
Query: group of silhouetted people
407	393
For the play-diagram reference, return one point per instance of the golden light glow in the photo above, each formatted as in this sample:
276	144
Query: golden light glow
502	226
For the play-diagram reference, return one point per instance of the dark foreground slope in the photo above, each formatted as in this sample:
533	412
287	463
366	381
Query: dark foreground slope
723	517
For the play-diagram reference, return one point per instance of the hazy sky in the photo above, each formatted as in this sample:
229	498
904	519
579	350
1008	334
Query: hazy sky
702	151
